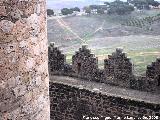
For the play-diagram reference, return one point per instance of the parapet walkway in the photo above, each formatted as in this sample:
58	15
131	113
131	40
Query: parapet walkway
107	89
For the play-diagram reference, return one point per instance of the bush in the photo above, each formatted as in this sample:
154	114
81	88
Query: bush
66	11
50	12
100	11
76	9
120	8
144	4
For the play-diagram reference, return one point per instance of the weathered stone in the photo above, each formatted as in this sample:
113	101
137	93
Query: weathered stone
90	103
30	63
23	85
119	67
3	11
16	13
6	26
153	71
84	64
12	82
19	90
56	58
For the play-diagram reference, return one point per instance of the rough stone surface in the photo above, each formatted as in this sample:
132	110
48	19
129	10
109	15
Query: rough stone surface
119	68
153	71
74	99
84	63
56	58
24	82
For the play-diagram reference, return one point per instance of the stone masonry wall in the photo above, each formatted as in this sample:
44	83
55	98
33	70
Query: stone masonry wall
24	82
153	71
84	64
119	68
56	58
75	103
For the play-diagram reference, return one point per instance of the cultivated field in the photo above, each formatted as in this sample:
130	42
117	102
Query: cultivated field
104	33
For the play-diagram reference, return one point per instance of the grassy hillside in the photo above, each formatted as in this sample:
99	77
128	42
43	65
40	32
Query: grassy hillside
104	33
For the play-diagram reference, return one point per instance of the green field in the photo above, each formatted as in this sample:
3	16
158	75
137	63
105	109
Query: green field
104	33
142	50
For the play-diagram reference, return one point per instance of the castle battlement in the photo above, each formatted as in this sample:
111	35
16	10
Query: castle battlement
118	69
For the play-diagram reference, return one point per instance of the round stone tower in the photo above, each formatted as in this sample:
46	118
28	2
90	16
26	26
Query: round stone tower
24	82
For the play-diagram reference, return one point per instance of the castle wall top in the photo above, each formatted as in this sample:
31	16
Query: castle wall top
107	89
118	69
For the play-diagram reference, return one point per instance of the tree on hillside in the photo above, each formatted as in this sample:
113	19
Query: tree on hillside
144	4
66	11
100	11
98	7
120	8
50	12
153	3
140	4
92	7
76	9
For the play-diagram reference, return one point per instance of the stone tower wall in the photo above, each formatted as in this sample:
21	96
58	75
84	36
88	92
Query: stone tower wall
24	82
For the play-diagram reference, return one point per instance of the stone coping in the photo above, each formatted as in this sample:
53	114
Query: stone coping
107	89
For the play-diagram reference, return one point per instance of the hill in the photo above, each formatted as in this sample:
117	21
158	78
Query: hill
104	33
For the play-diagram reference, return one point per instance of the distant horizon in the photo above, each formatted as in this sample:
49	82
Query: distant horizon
57	5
